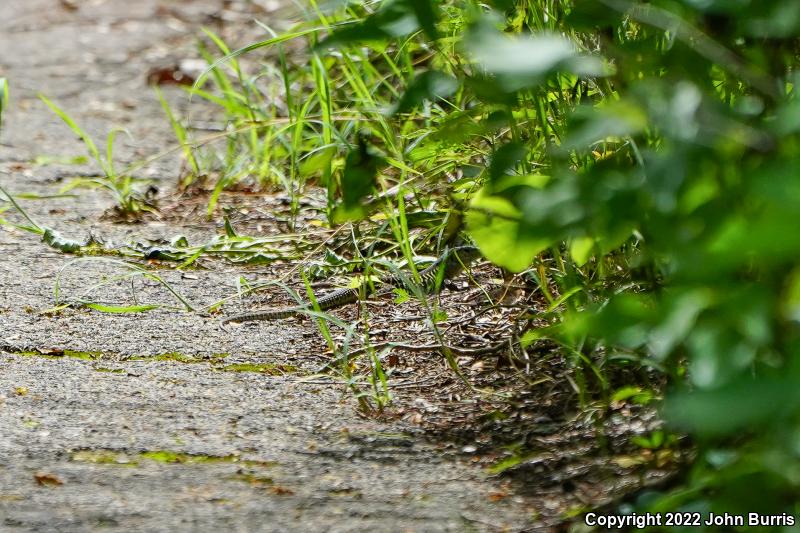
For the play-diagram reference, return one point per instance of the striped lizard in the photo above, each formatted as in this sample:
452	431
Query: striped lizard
449	264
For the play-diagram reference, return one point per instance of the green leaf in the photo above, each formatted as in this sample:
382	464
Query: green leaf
525	61
318	161
505	159
631	392
288	36
179	241
180	132
401	295
438	316
580	248
55	240
612	120
427	13
430	85
43	160
742	405
3	99
501	241
498	227
358	181
229	230
87	141
511	462
393	19
121	309
563	298
588	16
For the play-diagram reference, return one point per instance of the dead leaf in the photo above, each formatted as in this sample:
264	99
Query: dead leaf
478	366
69	5
47	480
629	461
497	495
172	75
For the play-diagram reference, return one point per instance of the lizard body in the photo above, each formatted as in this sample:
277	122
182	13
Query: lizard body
451	262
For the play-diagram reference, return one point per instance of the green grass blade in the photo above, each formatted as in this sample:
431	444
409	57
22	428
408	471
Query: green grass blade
90	145
38	229
121	309
3	99
180	132
255	46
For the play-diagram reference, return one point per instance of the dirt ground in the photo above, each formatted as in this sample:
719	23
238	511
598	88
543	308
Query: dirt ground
162	421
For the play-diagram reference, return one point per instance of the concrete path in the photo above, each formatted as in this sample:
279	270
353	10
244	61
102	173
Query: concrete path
142	422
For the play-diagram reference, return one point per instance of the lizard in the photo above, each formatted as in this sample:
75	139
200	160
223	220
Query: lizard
450	264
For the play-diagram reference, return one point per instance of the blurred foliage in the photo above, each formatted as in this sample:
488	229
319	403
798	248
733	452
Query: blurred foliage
3	99
638	160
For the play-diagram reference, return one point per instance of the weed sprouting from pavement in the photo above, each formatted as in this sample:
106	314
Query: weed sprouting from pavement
129	201
130	272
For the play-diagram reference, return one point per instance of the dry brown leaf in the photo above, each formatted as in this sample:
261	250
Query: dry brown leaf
69	5
47	480
172	75
497	495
